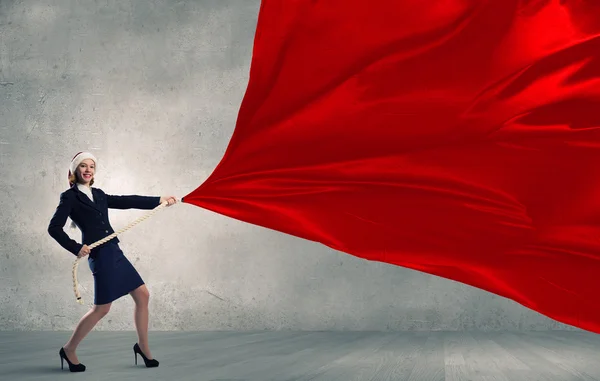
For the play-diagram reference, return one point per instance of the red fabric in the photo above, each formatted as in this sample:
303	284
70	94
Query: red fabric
455	137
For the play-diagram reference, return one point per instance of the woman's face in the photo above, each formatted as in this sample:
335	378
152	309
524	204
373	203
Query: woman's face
85	171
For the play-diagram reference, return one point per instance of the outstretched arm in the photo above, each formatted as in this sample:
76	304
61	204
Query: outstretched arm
137	202
57	223
132	202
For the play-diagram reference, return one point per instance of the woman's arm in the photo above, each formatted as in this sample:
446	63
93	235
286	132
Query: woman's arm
57	223
132	202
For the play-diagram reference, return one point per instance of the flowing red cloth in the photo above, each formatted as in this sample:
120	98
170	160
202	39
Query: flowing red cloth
460	138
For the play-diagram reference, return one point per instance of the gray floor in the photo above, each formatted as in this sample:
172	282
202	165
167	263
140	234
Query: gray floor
344	356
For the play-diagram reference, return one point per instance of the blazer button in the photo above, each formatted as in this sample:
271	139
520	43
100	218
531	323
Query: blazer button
106	231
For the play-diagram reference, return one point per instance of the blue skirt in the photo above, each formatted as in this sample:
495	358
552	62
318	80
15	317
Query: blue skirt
114	275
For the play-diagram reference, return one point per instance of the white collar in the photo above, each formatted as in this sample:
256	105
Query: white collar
84	188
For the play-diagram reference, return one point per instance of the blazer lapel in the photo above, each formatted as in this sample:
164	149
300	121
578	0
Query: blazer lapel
85	199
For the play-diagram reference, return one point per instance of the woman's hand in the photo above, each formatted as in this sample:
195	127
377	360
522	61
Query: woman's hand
169	199
85	250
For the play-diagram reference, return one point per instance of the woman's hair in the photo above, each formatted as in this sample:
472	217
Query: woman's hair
73	179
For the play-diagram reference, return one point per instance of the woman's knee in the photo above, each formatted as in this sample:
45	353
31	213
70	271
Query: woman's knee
102	309
144	295
141	295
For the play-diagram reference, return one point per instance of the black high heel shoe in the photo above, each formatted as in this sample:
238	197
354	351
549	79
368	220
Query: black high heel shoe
72	367
149	363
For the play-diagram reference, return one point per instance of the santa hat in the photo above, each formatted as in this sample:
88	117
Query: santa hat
77	159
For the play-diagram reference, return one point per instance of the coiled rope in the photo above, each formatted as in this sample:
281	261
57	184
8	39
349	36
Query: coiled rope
106	239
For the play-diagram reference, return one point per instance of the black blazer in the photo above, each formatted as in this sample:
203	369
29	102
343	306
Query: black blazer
91	216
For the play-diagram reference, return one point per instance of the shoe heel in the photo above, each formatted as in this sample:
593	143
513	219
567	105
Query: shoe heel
72	367
153	363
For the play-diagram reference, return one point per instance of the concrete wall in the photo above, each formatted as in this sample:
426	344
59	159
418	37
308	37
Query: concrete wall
152	88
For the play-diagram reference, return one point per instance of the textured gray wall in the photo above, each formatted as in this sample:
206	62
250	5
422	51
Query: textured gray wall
152	88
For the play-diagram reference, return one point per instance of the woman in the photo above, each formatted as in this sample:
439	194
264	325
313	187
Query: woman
114	276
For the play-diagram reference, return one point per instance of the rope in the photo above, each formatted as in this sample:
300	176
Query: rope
106	239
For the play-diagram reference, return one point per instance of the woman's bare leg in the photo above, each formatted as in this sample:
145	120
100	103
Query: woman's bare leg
141	297
85	325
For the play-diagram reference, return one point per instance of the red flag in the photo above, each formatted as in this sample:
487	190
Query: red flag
455	137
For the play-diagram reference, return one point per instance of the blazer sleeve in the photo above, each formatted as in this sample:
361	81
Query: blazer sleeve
132	202
57	223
